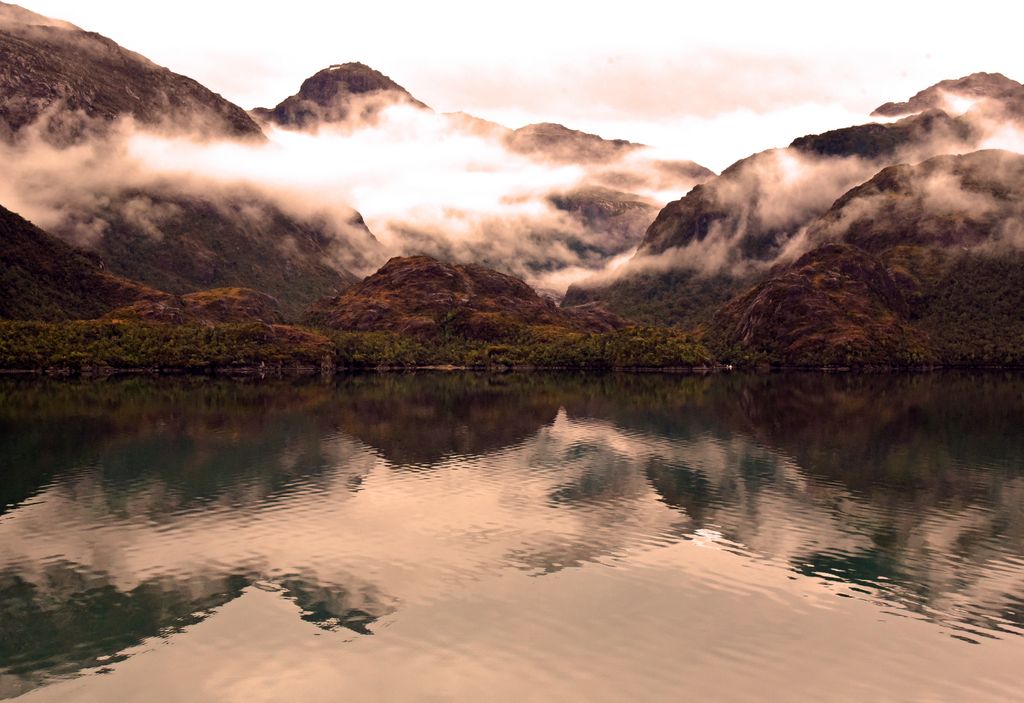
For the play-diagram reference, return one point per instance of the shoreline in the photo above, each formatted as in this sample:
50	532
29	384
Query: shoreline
309	371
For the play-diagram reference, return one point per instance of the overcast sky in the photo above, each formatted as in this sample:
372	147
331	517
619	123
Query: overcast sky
712	81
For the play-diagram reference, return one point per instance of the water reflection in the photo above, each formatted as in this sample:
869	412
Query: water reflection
135	509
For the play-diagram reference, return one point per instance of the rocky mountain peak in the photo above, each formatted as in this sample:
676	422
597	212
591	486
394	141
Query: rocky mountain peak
337	93
969	89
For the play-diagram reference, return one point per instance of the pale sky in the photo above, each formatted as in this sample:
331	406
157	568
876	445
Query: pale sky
712	81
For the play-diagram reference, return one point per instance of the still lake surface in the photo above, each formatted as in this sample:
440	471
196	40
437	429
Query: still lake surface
440	537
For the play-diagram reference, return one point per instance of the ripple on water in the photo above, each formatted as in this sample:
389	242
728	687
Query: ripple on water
578	538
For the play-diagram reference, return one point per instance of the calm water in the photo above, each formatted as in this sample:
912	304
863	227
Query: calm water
513	538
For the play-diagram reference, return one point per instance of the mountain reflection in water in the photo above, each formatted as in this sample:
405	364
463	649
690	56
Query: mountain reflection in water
133	511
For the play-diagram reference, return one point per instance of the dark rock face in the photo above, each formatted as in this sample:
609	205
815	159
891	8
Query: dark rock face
559	143
336	94
42	278
993	86
75	83
837	305
422	296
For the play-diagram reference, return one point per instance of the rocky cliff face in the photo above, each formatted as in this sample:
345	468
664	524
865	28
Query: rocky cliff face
422	296
336	94
75	83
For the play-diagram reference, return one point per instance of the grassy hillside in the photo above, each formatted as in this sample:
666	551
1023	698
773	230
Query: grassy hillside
42	278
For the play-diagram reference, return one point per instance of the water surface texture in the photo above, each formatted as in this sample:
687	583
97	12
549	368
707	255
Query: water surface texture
448	537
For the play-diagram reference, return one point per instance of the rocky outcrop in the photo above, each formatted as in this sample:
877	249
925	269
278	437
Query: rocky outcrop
349	91
421	296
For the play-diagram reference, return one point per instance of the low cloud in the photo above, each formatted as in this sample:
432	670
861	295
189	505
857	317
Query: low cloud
760	212
425	183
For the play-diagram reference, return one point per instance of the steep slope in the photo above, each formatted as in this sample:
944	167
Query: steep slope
922	263
42	278
743	204
836	305
963	201
716	241
181	243
337	93
75	83
942	95
951	229
425	297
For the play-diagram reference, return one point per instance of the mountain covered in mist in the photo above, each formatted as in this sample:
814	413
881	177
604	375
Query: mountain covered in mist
72	82
722	235
980	88
928	267
921	264
183	242
893	242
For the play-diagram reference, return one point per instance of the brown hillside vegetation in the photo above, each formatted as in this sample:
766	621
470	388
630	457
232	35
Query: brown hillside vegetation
835	306
208	307
42	278
424	297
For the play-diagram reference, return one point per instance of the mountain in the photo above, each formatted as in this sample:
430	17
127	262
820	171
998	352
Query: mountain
740	203
951	229
614	220
182	242
76	83
963	202
336	94
836	305
720	237
923	262
424	297
559	143
42	278
975	87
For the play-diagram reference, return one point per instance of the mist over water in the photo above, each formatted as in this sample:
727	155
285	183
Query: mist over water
461	537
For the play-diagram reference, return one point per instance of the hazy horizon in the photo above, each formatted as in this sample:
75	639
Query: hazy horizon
712	84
